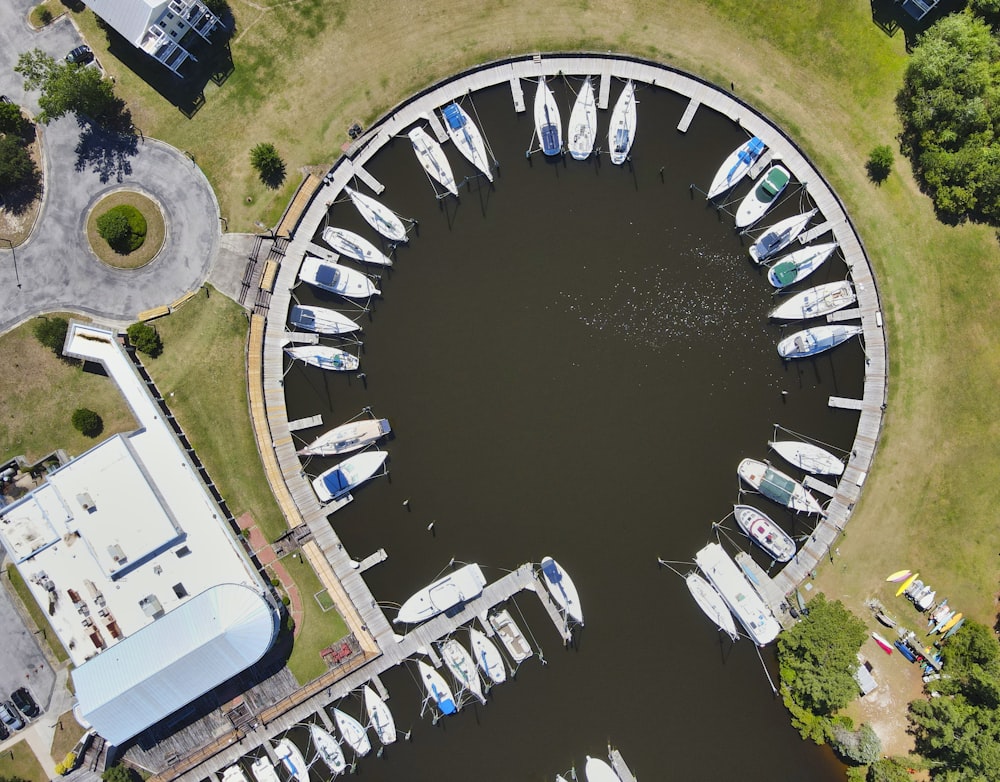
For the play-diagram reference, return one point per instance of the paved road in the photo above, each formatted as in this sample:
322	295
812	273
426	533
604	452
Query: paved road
55	268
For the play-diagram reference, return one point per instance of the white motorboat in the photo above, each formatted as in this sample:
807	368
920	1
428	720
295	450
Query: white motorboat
348	437
510	635
562	589
349	474
582	132
739	594
291	758
791	268
437	689
379	716
621	133
324	357
354	246
548	124
736	166
458	587
234	774
808	457
711	602
433	159
779	236
763	196
462	667
488	657
810	342
354	732
263	771
328	748
321	320
336	278
465	133
378	215
763	531
816	302
597	770
777	486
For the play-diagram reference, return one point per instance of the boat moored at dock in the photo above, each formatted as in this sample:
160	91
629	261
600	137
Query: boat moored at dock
621	134
510	635
736	166
746	605
763	531
433	159
763	196
796	266
466	136
488	657
321	320
291	758
263	770
582	131
711	603
462	668
348	437
548	124
779	236
336	278
816	302
562	589
354	246
777	486
349	474
808	457
354	732
234	774
378	215
328	749
597	770
459	587
818	339
379	716
437	689
324	357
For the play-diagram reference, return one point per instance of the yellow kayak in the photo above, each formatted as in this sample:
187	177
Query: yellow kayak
906	584
899	575
950	623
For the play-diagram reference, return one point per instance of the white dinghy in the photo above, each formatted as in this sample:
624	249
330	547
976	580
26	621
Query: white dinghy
582	131
354	732
336	278
711	602
464	132
321	320
763	196
324	357
808	457
779	236
548	124
349	474
816	302
328	749
352	245
621	134
348	437
379	716
488	657
736	166
433	159
378	215
810	342
798	265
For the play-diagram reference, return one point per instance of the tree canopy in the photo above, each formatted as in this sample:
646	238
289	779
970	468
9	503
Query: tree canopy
950	109
16	165
66	87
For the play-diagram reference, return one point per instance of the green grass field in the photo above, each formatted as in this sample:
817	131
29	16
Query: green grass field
319	629
19	762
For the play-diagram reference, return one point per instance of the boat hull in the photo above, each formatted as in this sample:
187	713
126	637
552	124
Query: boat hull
433	159
742	599
779	236
379	716
510	635
348	438
808	457
819	339
582	131
465	134
777	486
462	667
765	194
597	770
883	644
354	246
763	531
321	320
348	475
291	758
796	266
562	589
736	166
335	278
816	302
328	749
459	587
263	771
437	689
548	124
353	732
324	357
378	216
621	134
711	603
898	576
488	657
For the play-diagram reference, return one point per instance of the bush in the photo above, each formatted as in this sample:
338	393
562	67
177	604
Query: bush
860	747
887	770
268	164
145	338
16	165
879	164
12	120
286	600
87	422
123	228
51	332
119	773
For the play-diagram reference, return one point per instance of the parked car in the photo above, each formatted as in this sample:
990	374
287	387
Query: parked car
81	55
25	703
4	733
10	717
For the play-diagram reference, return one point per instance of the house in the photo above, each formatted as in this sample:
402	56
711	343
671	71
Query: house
163	29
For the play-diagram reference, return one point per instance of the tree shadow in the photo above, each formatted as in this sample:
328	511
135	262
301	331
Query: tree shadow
891	16
274	179
107	149
19	199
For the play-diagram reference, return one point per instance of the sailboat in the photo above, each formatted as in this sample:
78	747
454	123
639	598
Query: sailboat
548	125
462	667
763	196
599	771
347	437
621	134
433	159
379	716
321	320
488	657
779	236
324	357
736	166
816	302
777	486
349	474
791	268
818	339
582	131
711	602
336	278
354	246
464	132
808	457
563	591
353	732
378	215
291	758
437	689
328	749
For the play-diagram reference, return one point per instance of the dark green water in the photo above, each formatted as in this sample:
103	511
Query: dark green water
574	361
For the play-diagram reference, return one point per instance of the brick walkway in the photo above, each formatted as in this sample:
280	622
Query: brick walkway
267	558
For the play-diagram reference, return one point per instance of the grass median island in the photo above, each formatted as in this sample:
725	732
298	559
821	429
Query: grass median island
146	229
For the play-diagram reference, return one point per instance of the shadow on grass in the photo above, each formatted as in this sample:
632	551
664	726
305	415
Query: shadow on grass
890	16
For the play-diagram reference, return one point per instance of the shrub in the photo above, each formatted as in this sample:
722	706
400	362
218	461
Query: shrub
12	120
275	582
145	338
268	164
879	164
123	228
61	769
286	600
860	747
44	15
16	165
51	332
87	422
887	770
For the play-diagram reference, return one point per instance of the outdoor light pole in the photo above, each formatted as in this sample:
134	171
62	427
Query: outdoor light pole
14	256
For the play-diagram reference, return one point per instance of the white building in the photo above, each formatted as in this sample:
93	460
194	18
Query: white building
158	27
128	554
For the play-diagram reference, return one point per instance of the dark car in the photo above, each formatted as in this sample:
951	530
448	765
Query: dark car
81	55
10	717
25	703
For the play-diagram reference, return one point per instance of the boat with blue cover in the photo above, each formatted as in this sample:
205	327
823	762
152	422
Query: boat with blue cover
562	589
291	758
346	438
621	134
810	342
736	166
437	689
465	133
548	124
349	474
763	196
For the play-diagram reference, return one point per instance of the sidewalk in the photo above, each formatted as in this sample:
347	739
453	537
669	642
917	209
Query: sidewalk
268	559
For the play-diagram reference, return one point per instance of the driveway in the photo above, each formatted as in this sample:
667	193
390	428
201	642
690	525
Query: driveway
55	269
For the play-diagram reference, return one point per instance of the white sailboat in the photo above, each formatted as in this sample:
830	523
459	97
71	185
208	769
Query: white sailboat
321	320
379	716
437	689
621	134
791	268
354	246
462	667
291	758
548	124
810	342
736	166
328	749
378	215
779	236
599	771
582	131
816	302
433	159
336	278
263	770
739	594
762	196
234	774
808	457
354	732
458	587
777	486
762	530
349	474
324	357
465	133
348	437
711	602
488	657
562	588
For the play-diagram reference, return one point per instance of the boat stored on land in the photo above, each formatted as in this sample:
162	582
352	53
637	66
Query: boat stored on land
740	596
763	196
464	132
354	246
763	531
349	474
779	236
884	645
898	576
808	457
582	131
488	657
433	159
336	278
796	266
291	758
462	667
816	302
348	437
437	689
621	134
354	732
379	716
710	601
378	215
777	486
736	166
562	589
818	339
328	749
458	587
321	320
510	635
906	584
548	124
324	357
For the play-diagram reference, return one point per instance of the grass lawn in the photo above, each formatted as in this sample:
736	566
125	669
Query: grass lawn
68	733
319	629
36	613
38	393
19	762
155	230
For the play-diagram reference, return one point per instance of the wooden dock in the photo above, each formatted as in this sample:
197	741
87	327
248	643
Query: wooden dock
688	116
844	403
305	423
362	174
436	126
604	90
517	93
764	585
372	560
814	483
854	313
301	338
807	236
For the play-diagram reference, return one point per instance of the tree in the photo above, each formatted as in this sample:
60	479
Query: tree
12	120
119	773
66	87
114	229
16	165
887	770
87	422
145	338
51	332
989	10
861	746
268	164
818	657
879	164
